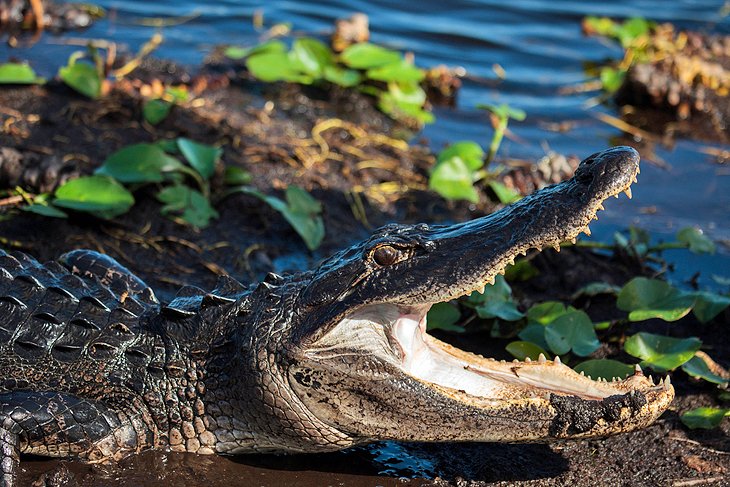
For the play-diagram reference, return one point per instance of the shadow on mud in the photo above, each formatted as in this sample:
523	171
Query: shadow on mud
490	462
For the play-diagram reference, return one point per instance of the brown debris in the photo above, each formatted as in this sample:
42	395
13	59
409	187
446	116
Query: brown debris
686	74
350	31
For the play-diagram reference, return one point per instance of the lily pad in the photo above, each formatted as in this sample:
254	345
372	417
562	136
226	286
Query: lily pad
367	56
651	298
202	157
100	195
696	241
443	316
398	71
708	305
470	152
452	179
605	369
82	77
191	205
704	417
19	74
312	55
155	111
698	368
661	353
572	331
139	163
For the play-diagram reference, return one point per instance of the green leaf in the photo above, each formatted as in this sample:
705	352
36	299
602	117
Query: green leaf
271	46
605	369
612	79
312	55
276	66
534	333
661	353
45	210
202	157
341	76
505	310
192	206
367	56
155	111
401	70
504	194
235	176
572	331
452	179
301	211
704	417
100	195
19	74
82	77
470	152
522	350
651	298
545	313
443	316
696	367
696	241
708	305
139	163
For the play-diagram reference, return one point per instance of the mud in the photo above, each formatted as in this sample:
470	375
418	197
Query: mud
684	83
336	145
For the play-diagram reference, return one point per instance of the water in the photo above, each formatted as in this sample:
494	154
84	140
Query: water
539	45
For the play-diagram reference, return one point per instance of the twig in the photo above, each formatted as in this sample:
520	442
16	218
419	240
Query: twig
692	482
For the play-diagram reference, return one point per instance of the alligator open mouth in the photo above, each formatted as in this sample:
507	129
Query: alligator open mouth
385	325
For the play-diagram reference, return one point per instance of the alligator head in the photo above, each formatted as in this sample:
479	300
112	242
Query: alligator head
361	361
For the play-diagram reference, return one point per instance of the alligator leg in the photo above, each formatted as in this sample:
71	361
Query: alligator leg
56	424
111	273
9	457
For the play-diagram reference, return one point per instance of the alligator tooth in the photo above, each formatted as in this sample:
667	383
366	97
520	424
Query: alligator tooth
638	170
511	261
528	359
502	271
557	360
600	206
480	289
515	361
595	217
542	358
627	192
491	280
668	382
573	240
556	246
587	231
651	379
637	370
615	196
582	373
636	180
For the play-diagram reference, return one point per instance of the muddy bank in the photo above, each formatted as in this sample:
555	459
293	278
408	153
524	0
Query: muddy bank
336	145
684	82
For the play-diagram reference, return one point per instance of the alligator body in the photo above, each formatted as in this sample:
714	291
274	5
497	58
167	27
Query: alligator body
93	367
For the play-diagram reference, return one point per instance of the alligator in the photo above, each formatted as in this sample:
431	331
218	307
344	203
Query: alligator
94	367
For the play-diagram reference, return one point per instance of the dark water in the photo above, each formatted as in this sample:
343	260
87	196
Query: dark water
539	45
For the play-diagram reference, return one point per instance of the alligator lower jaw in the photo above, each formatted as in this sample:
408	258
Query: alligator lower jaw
473	376
567	404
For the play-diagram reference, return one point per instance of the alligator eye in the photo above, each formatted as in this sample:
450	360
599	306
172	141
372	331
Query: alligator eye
386	255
